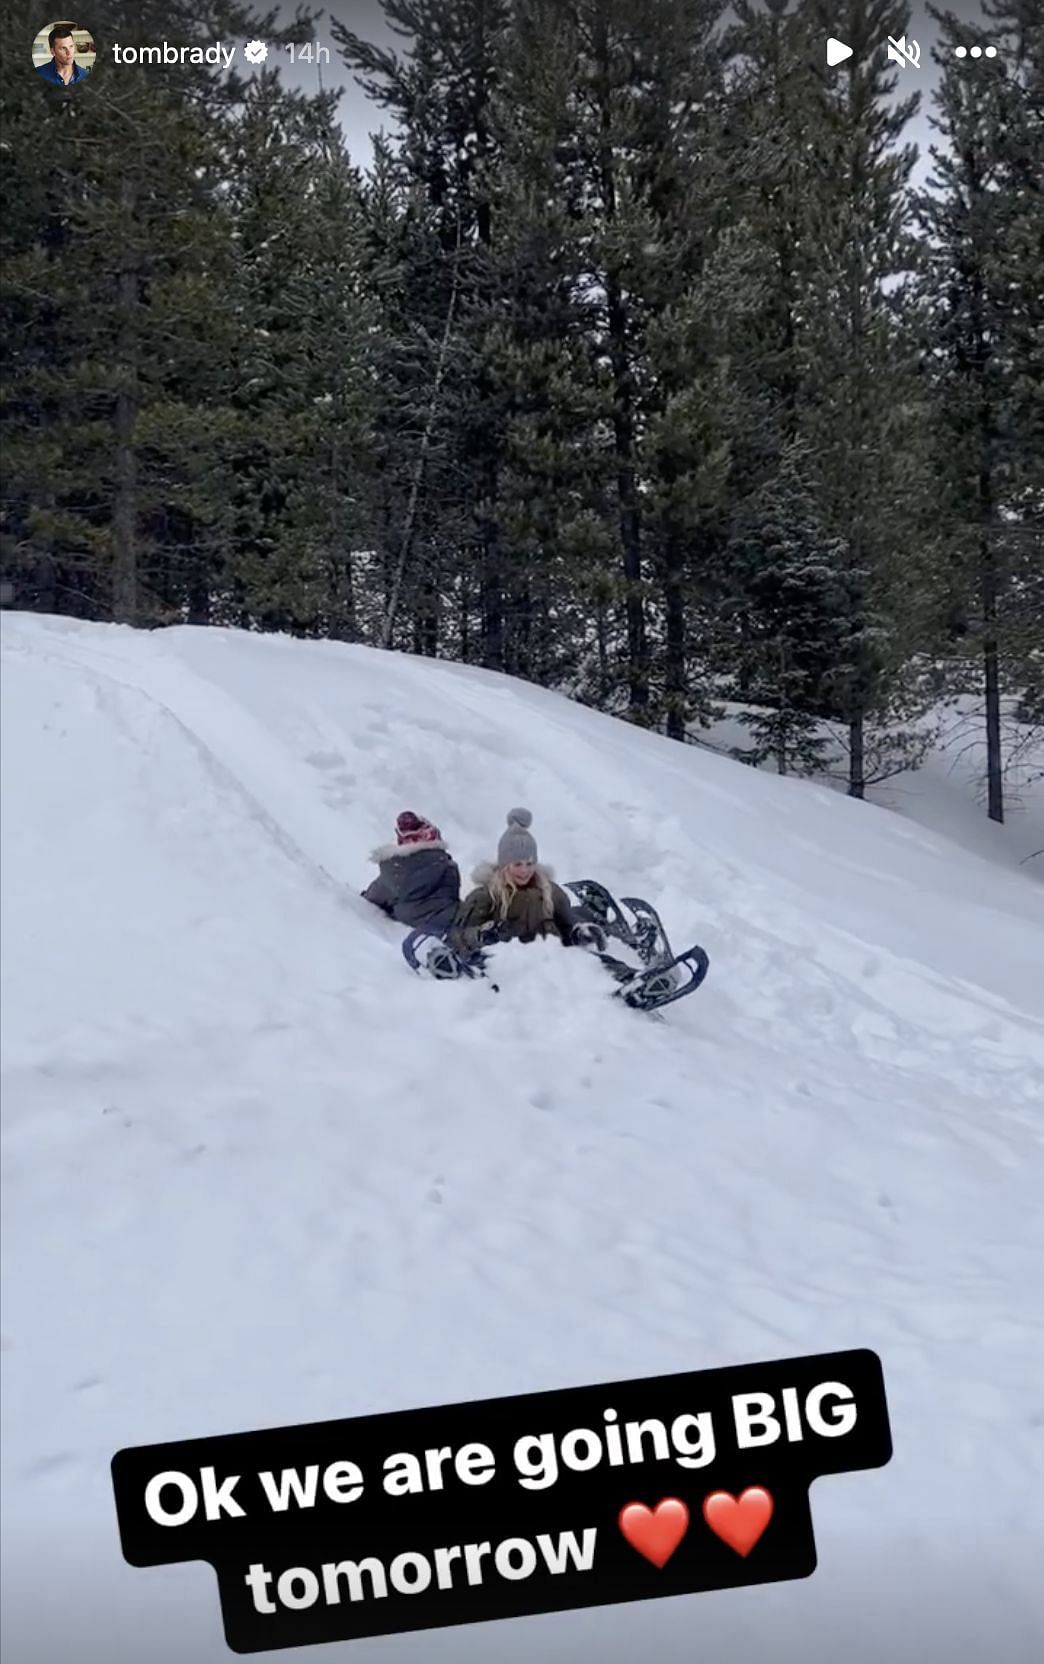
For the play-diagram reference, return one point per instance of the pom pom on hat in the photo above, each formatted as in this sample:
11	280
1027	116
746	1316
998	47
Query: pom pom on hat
517	843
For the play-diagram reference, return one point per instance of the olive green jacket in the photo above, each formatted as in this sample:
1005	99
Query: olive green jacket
527	916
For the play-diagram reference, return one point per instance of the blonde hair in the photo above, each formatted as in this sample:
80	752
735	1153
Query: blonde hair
503	892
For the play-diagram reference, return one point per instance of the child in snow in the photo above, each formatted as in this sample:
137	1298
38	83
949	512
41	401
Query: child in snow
418	881
517	899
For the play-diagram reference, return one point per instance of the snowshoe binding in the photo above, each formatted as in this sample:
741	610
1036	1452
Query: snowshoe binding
595	905
663	984
650	938
430	955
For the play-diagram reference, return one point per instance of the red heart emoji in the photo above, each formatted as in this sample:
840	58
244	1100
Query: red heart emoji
739	1521
655	1532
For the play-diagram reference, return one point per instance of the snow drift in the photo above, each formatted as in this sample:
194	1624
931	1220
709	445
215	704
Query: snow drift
256	1174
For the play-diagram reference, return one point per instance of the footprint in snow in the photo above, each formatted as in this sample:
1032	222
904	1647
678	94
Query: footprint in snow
48	1467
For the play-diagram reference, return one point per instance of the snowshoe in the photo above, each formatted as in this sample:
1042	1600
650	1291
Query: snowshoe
662	976
650	938
597	906
643	932
430	955
663	984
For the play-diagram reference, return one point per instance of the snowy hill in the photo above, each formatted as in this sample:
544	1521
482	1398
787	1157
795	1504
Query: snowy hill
947	792
255	1174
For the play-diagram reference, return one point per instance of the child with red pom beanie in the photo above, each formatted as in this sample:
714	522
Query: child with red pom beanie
418	881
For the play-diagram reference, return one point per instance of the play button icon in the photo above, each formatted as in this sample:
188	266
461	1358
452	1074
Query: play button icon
837	52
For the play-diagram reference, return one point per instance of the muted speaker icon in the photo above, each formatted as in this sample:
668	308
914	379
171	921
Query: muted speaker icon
904	52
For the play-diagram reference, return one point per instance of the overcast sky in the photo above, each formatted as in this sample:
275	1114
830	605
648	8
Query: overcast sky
359	118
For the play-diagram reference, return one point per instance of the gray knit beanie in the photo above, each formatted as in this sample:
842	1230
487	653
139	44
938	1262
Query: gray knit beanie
517	844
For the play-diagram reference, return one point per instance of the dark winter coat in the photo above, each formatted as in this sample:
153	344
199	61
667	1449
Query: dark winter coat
418	885
539	908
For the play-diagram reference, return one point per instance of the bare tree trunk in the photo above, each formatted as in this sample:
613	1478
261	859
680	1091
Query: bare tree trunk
624	426
197	607
674	669
630	514
991	680
989	574
44	584
342	587
125	503
782	716
859	511
521	657
857	698
602	633
857	755
492	621
426	614
465	621
420	462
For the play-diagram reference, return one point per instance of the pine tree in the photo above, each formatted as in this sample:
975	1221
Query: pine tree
114	407
984	220
411	574
866	409
604	119
440	92
694	428
1021	145
773	129
300	499
688	411
774	106
553	476
825	342
792	621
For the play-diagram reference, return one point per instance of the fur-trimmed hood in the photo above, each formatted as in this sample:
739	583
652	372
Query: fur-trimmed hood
485	870
389	852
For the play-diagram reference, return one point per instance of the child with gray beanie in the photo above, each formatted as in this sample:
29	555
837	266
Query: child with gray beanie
516	899
517	845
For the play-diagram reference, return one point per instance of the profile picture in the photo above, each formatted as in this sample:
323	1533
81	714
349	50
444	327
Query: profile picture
64	54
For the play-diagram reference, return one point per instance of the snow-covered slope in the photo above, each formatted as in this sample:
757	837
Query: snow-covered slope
947	792
256	1174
